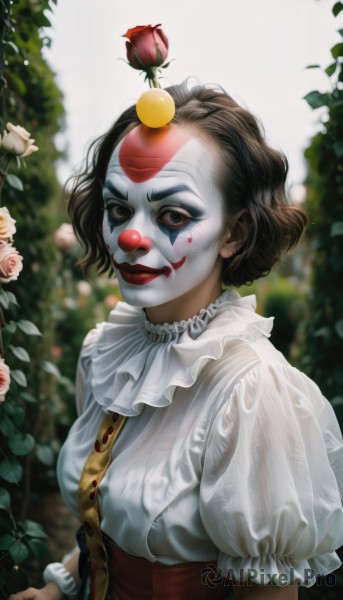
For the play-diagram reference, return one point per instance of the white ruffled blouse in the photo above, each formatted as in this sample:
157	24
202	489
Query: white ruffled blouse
229	453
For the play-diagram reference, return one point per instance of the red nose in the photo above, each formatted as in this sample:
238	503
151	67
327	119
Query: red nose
130	240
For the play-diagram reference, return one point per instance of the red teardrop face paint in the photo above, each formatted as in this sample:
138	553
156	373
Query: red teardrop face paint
163	213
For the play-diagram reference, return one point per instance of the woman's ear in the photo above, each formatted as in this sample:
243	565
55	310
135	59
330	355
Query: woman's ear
236	233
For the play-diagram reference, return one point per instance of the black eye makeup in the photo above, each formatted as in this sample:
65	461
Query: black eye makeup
117	213
173	218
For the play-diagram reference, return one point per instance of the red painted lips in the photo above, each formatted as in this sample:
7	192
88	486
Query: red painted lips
140	274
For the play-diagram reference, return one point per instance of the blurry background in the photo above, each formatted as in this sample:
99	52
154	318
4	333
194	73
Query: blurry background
257	50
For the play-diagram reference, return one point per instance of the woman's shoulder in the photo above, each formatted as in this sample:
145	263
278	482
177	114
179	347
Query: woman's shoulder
120	315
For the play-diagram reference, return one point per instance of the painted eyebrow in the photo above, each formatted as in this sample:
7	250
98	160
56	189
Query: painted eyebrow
155	196
108	185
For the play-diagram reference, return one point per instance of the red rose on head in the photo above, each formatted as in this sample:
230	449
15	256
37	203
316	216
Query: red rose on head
147	46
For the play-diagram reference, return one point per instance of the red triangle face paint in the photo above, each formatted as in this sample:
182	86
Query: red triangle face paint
145	151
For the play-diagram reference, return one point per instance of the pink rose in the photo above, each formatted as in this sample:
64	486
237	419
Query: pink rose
11	263
5	379
147	47
7	225
65	237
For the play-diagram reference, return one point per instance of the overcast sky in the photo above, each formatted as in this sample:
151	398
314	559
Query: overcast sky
256	49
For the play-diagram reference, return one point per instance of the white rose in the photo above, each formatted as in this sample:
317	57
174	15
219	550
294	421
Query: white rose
18	141
5	379
11	263
65	237
84	288
7	225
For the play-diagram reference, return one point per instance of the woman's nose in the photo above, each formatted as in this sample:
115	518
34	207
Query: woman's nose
130	240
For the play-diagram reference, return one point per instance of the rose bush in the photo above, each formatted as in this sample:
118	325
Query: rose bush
17	141
11	263
7	225
5	379
147	46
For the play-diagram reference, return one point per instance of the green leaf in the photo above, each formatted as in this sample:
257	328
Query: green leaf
28	327
337	50
19	552
50	368
11	298
11	470
336	9
28	397
7	333
8	409
10	327
331	69
339	328
21	444
313	67
5	499
317	99
15	182
14	48
20	353
33	529
7	428
45	454
340	31
37	548
336	228
18	416
323	332
6	541
4	302
42	20
19	377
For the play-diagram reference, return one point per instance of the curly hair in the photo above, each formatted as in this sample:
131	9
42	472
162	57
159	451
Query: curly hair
253	178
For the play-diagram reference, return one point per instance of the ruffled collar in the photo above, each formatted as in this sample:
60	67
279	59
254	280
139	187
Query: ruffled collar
194	326
136	362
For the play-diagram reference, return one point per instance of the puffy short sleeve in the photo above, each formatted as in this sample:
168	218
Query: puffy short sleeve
272	483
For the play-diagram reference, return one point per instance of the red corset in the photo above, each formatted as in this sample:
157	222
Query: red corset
133	578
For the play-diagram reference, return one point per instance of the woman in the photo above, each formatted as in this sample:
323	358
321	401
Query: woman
226	470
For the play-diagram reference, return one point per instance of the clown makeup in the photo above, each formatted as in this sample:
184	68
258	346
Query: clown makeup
164	214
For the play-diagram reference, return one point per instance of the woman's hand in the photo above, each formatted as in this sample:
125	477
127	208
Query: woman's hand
50	592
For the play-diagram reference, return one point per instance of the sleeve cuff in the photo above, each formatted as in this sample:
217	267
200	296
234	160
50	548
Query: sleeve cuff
57	573
280	571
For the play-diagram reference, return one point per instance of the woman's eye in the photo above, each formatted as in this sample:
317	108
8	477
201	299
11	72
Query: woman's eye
174	219
117	213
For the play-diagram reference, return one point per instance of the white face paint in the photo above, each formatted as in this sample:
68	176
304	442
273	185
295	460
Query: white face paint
179	215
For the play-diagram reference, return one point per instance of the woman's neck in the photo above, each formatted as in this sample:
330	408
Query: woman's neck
186	306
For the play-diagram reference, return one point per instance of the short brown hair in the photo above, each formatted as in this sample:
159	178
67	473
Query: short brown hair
253	178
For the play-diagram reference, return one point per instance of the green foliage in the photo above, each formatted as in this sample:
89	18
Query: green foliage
284	301
18	541
281	295
80	305
30	97
323	331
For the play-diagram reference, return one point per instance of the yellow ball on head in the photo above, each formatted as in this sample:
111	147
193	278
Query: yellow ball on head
155	108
